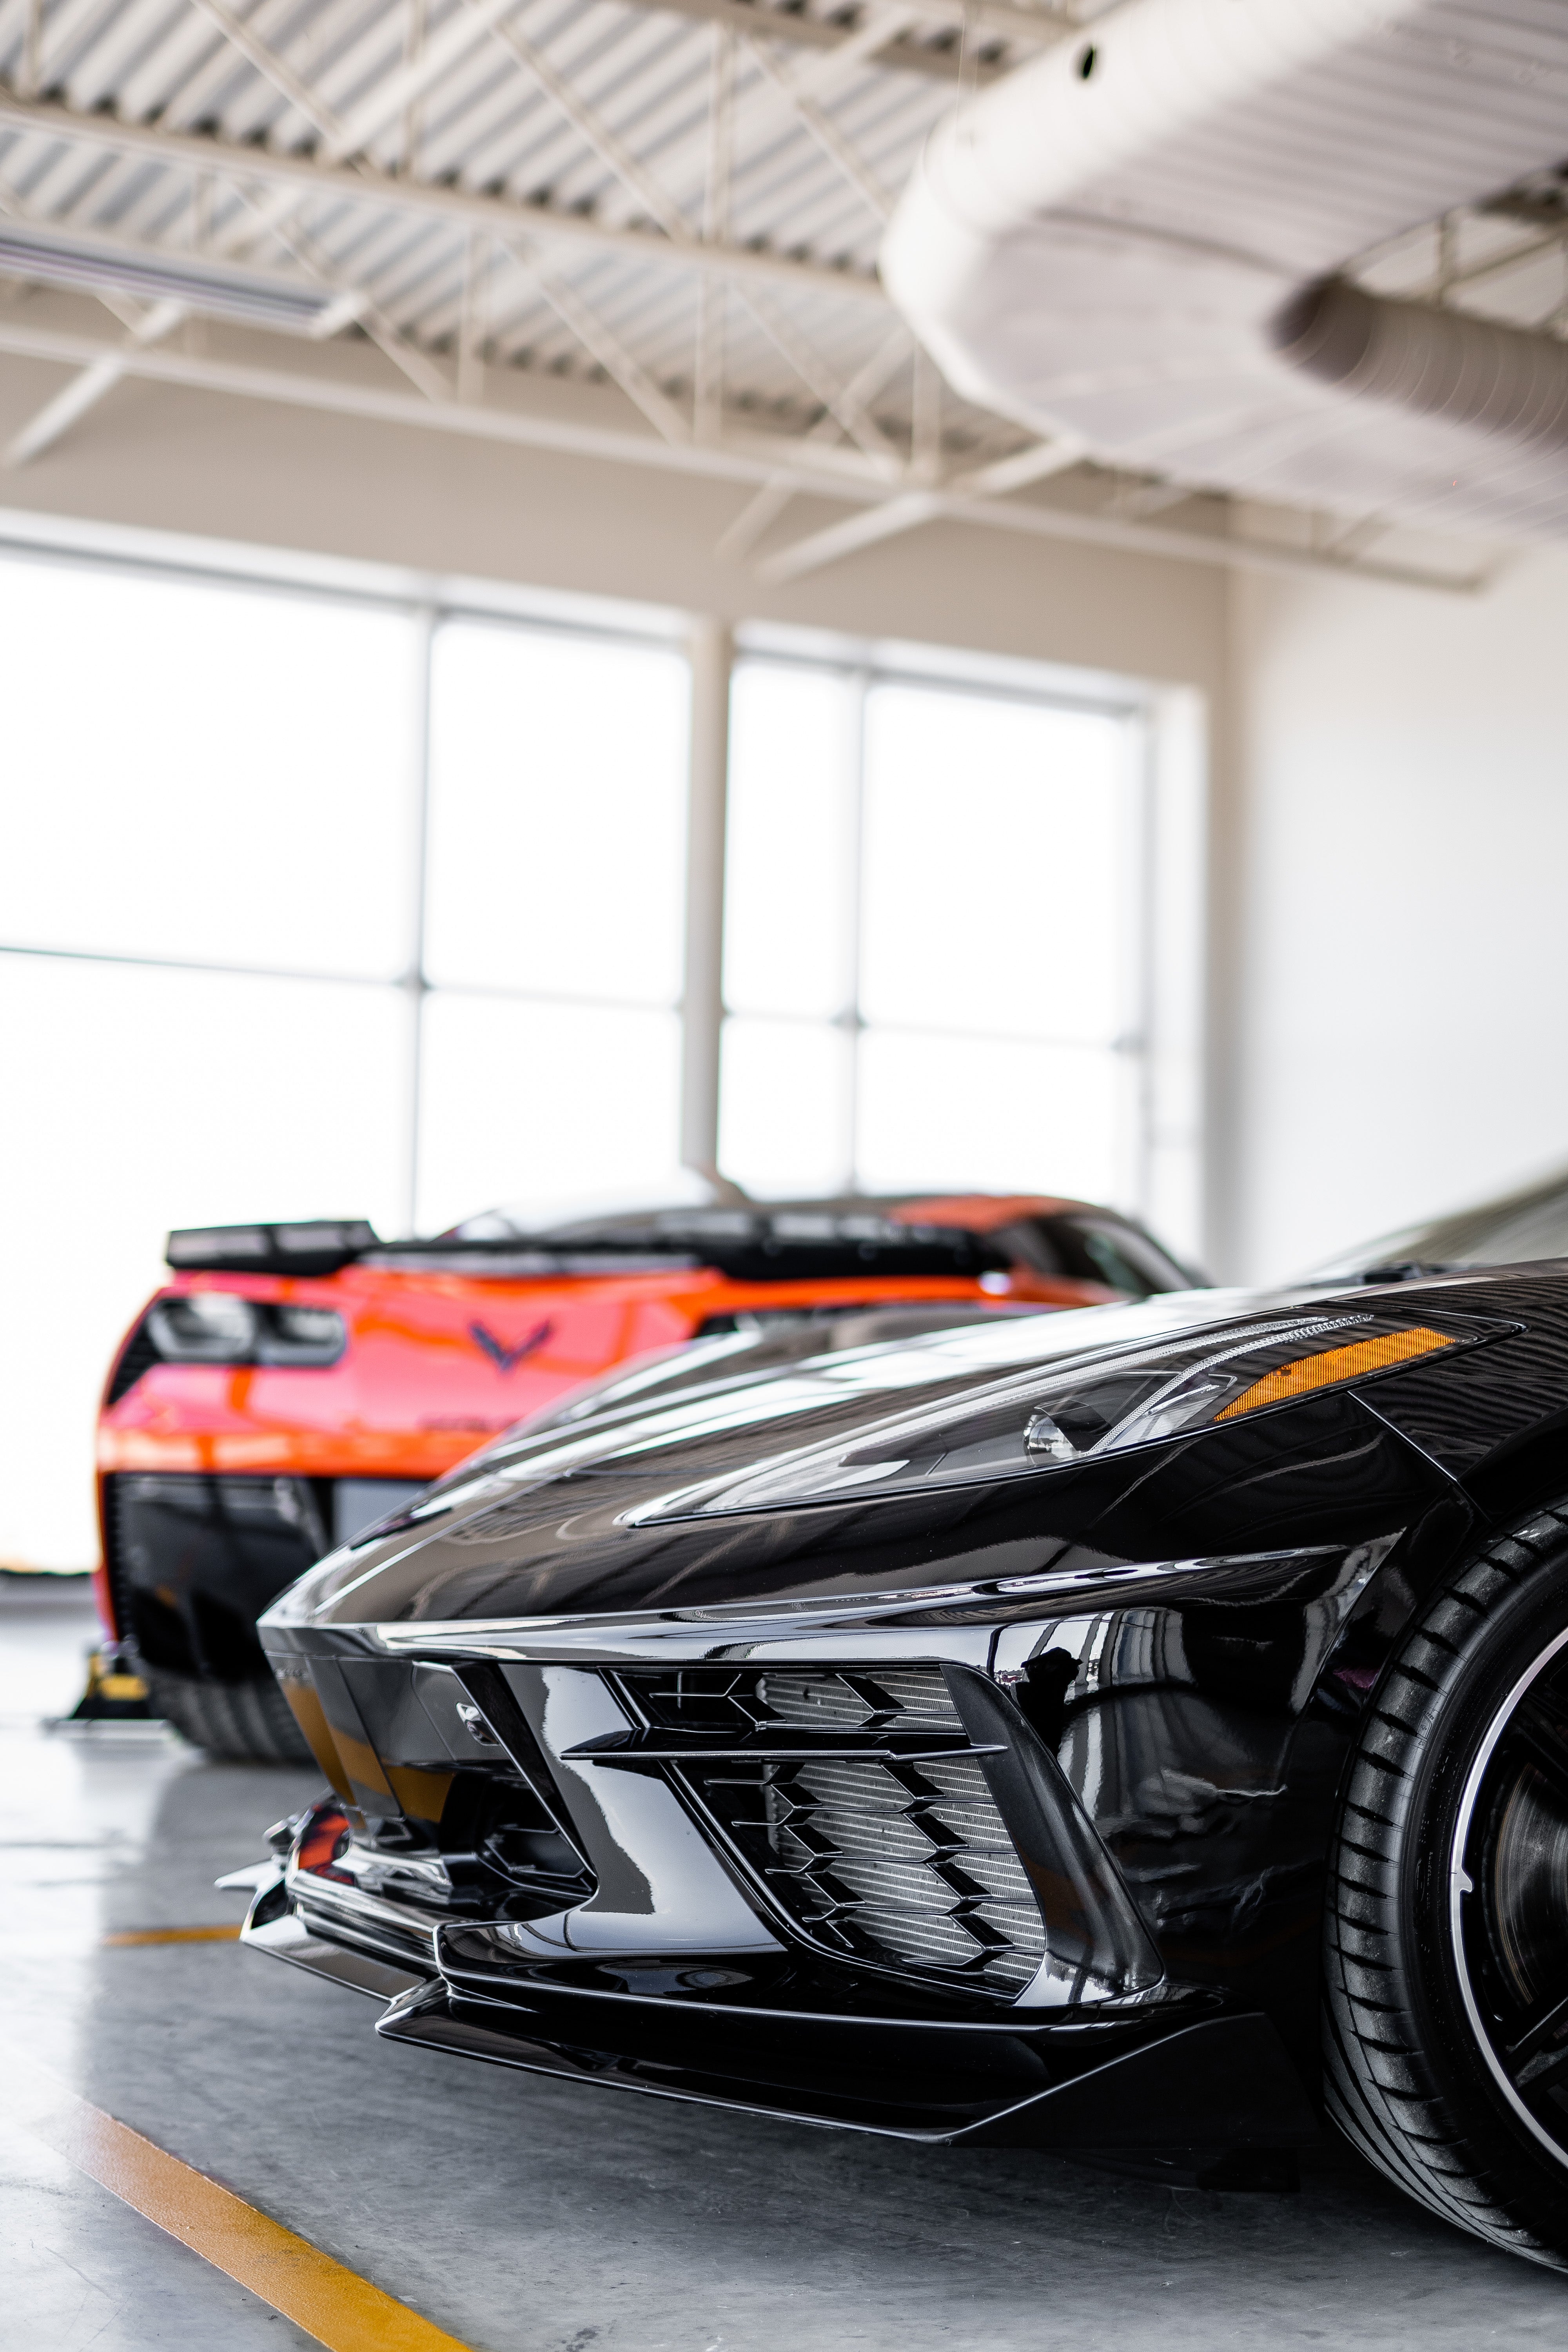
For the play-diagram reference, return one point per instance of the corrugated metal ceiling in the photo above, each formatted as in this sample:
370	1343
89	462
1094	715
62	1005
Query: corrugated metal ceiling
587	110
684	198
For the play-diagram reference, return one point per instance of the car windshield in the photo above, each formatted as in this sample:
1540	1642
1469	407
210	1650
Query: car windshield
545	1220
1512	1230
705	1216
1092	1245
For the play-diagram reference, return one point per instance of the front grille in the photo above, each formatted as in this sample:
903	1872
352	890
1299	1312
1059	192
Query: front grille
905	1863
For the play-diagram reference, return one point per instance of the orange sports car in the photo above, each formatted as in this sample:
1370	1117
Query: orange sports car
292	1383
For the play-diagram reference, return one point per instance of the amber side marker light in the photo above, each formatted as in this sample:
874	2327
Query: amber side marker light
1334	1364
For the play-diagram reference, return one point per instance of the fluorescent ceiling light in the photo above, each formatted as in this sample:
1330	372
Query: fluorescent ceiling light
104	265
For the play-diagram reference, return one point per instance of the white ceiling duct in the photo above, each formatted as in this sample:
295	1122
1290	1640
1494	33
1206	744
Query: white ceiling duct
1135	240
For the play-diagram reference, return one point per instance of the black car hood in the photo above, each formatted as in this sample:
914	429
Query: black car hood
552	1520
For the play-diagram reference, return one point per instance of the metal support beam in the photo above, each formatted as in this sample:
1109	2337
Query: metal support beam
707	369
391	97
752	459
758	109
986	20
277	70
84	391
865	528
925	417
737	540
703	996
840	400
916	506
363	185
589	125
472	319
1035	464
603	346
343	140
354	304
827	135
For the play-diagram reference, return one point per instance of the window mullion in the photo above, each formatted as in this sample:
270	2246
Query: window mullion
853	1017
711	654
416	981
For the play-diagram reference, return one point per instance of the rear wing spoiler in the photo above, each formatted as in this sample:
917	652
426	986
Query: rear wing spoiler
321	1246
764	1249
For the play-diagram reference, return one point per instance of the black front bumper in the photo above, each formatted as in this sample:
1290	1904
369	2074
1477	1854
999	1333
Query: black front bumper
718	1903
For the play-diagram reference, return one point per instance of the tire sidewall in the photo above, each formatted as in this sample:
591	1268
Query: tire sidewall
234	1722
1507	1643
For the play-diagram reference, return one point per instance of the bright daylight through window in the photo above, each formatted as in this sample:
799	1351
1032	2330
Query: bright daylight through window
384	919
934	960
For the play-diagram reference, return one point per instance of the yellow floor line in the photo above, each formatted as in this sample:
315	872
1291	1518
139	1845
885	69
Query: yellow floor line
333	2303
173	1936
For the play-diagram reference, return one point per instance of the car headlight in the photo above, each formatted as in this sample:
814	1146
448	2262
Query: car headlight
1100	1401
219	1327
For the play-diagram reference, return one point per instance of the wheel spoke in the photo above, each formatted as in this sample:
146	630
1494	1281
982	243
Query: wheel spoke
1542	2071
1536	2035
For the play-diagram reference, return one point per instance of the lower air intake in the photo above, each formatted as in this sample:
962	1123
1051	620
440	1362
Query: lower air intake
905	1863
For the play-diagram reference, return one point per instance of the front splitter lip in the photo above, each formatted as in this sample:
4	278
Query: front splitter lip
1221	2081
1166	2077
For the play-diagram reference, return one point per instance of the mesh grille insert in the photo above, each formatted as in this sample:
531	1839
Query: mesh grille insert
908	1863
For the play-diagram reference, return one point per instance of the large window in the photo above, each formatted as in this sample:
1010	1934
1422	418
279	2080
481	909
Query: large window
309	905
326	899
934	954
552	924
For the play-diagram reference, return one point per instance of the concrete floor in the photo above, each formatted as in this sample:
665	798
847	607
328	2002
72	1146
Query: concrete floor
529	2216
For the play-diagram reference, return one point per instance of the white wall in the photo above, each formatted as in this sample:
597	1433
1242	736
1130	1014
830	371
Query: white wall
251	470
1394	982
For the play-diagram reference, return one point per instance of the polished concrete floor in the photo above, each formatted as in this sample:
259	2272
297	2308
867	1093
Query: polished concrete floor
530	2216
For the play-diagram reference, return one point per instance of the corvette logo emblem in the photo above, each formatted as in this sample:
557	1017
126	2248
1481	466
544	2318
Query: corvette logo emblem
505	1359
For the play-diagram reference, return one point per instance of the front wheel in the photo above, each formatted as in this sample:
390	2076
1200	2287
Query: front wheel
249	1719
1447	1919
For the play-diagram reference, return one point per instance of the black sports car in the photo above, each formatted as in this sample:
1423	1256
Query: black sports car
1130	1731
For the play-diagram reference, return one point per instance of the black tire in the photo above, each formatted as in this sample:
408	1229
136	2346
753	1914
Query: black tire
249	1719
1446	1907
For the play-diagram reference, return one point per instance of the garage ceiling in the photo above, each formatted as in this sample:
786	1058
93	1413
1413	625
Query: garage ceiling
642	232
1141	240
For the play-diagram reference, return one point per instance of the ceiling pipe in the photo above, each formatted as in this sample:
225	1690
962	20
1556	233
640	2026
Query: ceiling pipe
1501	380
1141	239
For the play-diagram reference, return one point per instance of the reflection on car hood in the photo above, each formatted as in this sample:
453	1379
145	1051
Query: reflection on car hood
567	1485
741	1412
589	1513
